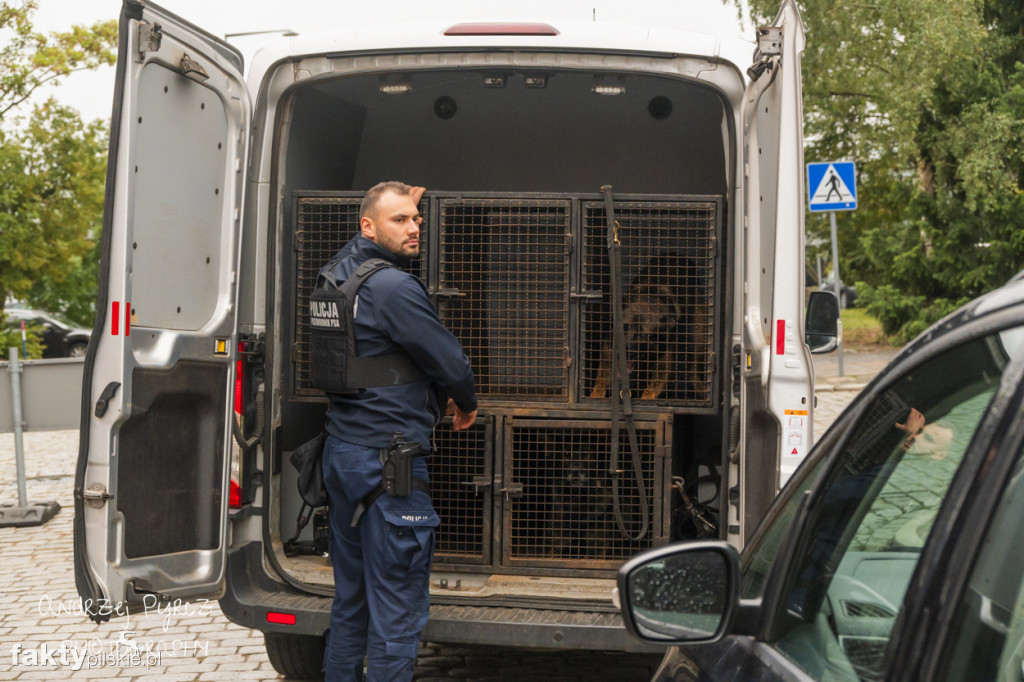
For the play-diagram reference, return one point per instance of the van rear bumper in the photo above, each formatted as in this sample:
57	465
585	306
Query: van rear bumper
251	595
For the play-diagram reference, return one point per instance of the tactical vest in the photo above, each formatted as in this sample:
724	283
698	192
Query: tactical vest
335	367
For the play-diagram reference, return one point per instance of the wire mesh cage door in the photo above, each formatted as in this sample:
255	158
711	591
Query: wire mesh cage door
462	482
668	294
558	504
503	291
324	223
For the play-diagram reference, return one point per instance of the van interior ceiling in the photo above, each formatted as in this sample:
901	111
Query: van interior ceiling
474	131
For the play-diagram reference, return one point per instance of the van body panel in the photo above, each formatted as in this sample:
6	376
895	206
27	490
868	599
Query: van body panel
777	387
152	484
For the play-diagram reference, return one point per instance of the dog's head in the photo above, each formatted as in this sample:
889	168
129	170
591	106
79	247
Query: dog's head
578	471
650	312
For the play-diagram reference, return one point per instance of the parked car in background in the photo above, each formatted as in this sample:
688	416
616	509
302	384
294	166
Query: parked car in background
895	550
60	338
847	293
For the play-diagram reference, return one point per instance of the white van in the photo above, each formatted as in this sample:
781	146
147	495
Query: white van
224	200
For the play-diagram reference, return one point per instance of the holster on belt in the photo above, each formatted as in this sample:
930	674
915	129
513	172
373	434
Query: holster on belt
396	475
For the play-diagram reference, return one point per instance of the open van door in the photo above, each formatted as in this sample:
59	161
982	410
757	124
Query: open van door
151	486
777	389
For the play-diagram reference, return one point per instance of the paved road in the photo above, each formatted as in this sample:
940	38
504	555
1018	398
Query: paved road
39	604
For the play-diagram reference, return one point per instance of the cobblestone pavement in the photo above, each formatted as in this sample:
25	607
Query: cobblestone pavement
40	610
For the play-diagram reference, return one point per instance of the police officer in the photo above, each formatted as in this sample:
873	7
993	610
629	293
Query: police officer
382	563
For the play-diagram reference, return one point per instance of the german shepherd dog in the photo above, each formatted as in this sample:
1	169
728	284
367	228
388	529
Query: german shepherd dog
661	315
581	499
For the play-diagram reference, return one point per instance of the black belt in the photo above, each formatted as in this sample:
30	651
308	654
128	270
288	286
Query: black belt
417	484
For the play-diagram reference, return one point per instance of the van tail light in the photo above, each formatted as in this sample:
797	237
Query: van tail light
502	29
280	618
235	490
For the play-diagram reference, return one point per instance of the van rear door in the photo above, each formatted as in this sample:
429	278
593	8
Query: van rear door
151	482
777	391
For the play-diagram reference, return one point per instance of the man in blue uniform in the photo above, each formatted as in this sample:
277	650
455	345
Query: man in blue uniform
382	563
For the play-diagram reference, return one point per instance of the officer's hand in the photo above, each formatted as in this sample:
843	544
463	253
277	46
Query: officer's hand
416	193
460	420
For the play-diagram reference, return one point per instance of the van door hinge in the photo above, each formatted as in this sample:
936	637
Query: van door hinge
769	41
149	39
95	496
252	348
769	46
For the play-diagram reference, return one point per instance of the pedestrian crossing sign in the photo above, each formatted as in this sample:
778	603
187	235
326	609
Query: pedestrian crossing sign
832	186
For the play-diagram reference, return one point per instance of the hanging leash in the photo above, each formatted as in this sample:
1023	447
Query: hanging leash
622	405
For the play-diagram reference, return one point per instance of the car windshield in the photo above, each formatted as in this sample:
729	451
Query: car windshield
877	506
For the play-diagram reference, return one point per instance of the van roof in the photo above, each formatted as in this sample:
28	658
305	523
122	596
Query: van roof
572	36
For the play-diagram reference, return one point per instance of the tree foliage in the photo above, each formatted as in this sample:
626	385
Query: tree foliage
29	59
51	207
927	96
52	166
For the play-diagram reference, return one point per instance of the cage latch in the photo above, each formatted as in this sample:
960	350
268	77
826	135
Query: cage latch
449	292
513	490
480	483
586	296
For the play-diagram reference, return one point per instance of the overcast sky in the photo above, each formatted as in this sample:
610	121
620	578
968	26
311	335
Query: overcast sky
91	93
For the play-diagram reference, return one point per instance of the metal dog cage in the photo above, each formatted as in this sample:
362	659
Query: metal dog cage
552	505
523	284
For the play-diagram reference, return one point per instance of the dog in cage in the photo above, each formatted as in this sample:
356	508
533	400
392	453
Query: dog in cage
581	506
665	322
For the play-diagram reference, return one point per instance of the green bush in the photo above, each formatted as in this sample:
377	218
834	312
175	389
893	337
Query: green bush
11	338
903	316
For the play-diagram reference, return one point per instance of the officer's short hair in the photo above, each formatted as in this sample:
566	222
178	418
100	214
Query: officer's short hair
374	194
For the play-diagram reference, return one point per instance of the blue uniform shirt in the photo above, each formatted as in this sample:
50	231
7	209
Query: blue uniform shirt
394	313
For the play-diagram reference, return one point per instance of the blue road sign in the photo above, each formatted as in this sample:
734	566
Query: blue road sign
832	186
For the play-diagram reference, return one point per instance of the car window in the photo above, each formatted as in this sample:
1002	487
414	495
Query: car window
761	553
988	635
876	508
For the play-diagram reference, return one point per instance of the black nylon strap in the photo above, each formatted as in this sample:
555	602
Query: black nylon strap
621	411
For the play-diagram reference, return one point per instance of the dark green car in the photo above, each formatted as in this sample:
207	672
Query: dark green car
896	551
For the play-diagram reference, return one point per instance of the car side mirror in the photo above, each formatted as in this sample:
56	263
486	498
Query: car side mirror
680	594
822	327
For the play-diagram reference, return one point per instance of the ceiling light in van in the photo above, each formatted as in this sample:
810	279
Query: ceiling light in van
395	87
502	29
494	81
536	81
608	87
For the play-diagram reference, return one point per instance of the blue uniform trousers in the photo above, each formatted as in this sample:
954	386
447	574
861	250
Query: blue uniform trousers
381	568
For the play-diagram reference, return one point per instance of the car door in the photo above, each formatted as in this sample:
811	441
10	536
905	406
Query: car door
776	393
833	591
151	484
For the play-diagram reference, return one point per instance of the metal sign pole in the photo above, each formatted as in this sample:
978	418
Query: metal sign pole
24	514
19	444
836	280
